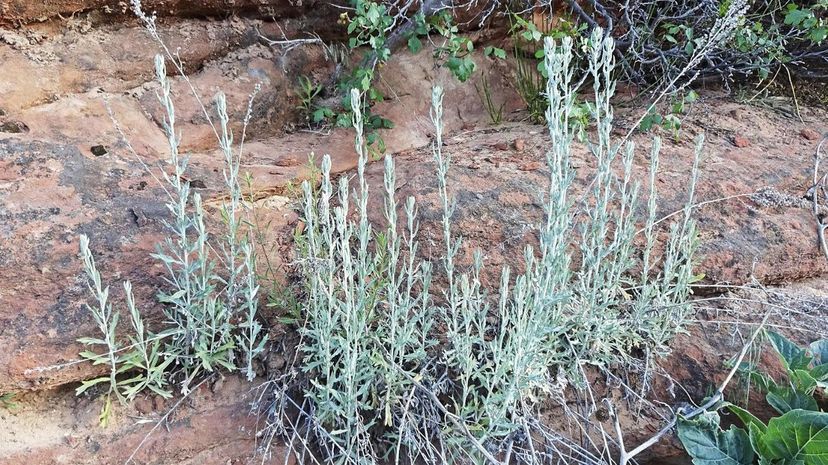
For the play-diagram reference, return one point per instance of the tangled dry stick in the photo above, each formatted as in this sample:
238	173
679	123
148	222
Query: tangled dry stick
820	186
718	396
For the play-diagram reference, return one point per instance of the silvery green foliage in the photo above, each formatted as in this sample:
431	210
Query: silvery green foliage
384	380
240	287
210	302
141	359
365	319
556	314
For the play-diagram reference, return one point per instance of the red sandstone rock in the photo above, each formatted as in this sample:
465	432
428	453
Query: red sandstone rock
810	134
741	141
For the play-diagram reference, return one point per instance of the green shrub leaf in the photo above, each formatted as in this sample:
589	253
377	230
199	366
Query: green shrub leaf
792	356
708	444
785	399
755	433
747	418
819	351
799	436
414	44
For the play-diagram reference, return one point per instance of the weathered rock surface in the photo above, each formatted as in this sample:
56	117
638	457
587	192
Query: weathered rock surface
213	426
25	11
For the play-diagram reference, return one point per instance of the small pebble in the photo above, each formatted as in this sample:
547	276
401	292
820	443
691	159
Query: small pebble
741	141
810	134
530	166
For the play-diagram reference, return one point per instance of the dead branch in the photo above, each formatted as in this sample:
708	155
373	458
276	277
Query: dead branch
820	186
626	456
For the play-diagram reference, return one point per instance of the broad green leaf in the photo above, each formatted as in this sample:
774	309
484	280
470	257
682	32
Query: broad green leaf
820	373
747	418
799	436
818	34
792	356
785	399
708	444
804	381
795	16
691	97
414	44
755	433
819	351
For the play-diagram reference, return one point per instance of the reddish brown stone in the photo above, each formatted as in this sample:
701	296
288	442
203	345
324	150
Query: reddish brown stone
211	428
741	141
25	11
810	134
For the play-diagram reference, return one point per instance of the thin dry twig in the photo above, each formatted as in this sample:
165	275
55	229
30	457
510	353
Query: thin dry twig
626	456
164	418
820	186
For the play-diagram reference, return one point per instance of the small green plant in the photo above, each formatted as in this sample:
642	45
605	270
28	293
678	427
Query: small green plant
308	93
684	34
529	85
581	117
141	358
494	52
494	110
764	44
455	51
809	20
531	73
210	317
529	79
7	401
369	25
671	121
798	436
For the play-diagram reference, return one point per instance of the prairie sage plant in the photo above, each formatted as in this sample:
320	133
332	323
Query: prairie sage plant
398	369
210	302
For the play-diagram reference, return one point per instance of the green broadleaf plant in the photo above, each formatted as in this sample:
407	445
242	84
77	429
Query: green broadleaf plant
710	445
798	437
